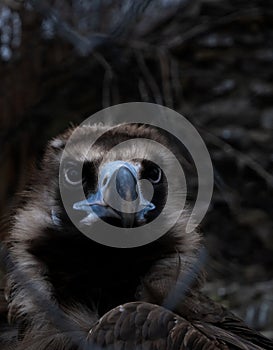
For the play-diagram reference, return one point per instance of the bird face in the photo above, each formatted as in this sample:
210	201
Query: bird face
119	197
124	187
124	193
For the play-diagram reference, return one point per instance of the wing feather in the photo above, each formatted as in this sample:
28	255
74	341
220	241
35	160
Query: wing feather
151	327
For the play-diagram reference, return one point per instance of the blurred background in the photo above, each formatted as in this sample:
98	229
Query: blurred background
211	60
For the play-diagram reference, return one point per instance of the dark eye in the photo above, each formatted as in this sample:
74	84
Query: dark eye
153	173
73	175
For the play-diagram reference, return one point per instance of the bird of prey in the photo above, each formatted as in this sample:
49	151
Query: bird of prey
66	291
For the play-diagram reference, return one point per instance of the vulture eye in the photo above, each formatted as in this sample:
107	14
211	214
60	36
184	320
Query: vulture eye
153	173
73	175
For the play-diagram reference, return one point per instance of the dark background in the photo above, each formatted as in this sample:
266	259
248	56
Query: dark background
211	60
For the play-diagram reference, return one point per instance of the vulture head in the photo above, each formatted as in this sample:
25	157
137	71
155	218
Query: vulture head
120	178
101	181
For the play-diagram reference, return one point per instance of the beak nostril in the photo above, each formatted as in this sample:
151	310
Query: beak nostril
104	181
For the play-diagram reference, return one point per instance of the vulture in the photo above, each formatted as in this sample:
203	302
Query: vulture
67	291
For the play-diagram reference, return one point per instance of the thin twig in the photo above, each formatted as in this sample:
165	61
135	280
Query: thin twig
202	28
149	78
144	94
84	46
107	81
242	157
165	74
185	281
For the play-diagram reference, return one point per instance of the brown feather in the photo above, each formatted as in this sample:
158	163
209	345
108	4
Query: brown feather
63	288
